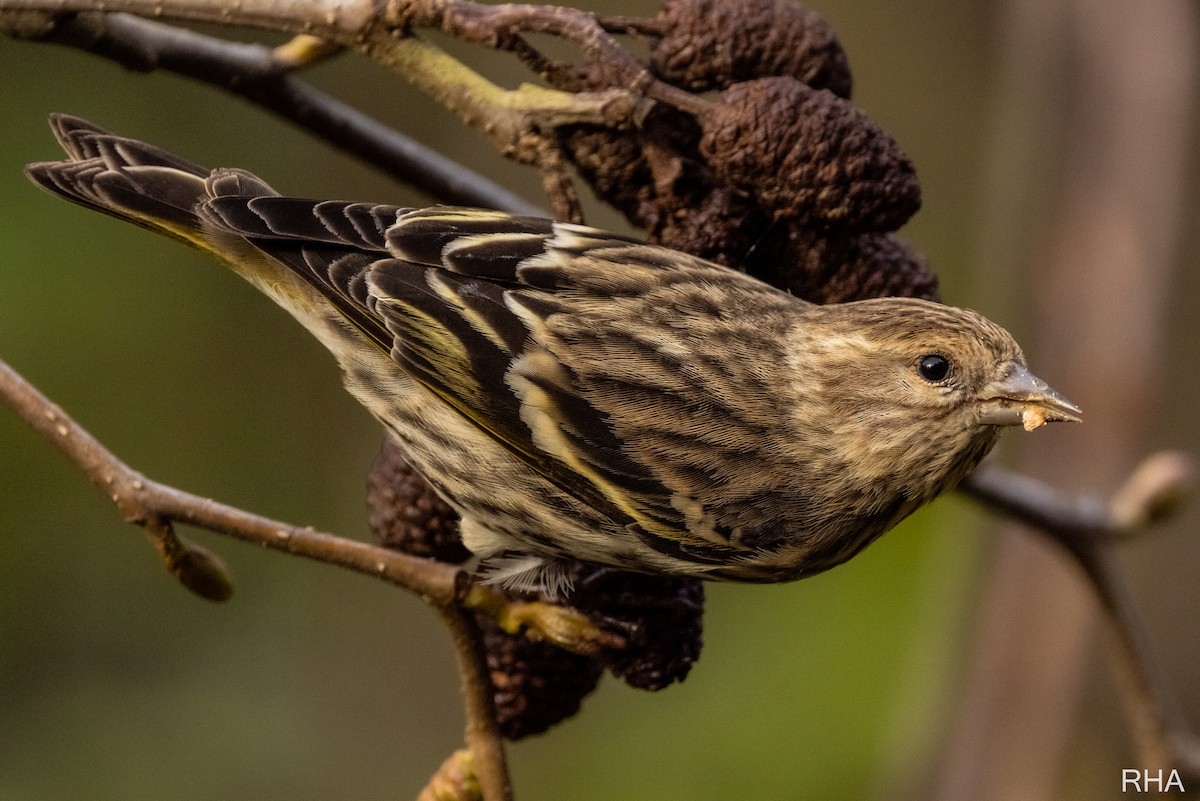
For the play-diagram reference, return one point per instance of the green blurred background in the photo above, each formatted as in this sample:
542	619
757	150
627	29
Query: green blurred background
314	683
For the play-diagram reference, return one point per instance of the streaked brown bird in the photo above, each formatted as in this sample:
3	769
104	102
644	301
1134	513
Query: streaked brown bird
575	394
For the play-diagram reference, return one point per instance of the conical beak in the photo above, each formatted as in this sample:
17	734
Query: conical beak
1021	398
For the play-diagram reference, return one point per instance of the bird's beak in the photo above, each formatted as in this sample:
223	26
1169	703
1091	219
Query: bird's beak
1021	398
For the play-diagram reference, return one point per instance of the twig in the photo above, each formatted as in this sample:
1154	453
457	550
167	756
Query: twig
629	25
483	737
1151	493
150	504
520	122
341	21
1087	528
514	119
495	25
260	75
1160	731
503	115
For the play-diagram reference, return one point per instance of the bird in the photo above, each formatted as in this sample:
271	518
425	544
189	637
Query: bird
579	395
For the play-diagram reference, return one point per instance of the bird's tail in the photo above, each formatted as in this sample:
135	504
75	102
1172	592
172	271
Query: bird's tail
134	181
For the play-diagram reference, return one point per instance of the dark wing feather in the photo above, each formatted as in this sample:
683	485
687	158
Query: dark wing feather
437	236
295	232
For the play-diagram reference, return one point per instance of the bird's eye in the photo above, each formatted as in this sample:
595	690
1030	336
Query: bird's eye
933	367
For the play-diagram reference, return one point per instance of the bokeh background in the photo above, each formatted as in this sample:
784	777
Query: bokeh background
902	675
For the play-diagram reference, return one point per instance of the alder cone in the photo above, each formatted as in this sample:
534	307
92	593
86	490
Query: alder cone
809	157
536	685
825	269
711	44
880	266
406	514
722	225
612	162
662	614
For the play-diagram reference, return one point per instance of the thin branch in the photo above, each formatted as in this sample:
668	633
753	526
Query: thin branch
507	116
261	75
1152	493
342	21
630	25
1088	528
1160	730
148	503
520	122
494	25
482	735
512	118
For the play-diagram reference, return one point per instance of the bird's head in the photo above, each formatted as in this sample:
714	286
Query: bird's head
915	388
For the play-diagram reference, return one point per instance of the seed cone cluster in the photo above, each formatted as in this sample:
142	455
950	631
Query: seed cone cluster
783	177
780	164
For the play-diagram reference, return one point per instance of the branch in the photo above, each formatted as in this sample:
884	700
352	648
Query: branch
156	506
497	26
341	21
1088	528
1152	493
262	76
483	738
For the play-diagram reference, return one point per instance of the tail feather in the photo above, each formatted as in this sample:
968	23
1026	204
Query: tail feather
135	181
84	140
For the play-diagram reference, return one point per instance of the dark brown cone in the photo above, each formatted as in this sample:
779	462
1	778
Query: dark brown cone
663	615
611	162
711	44
536	684
721	225
810	158
619	163
654	177
406	514
878	266
824	269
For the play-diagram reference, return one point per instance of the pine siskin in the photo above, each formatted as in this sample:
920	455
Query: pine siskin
574	394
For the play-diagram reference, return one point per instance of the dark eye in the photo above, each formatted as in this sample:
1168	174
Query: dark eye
933	367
